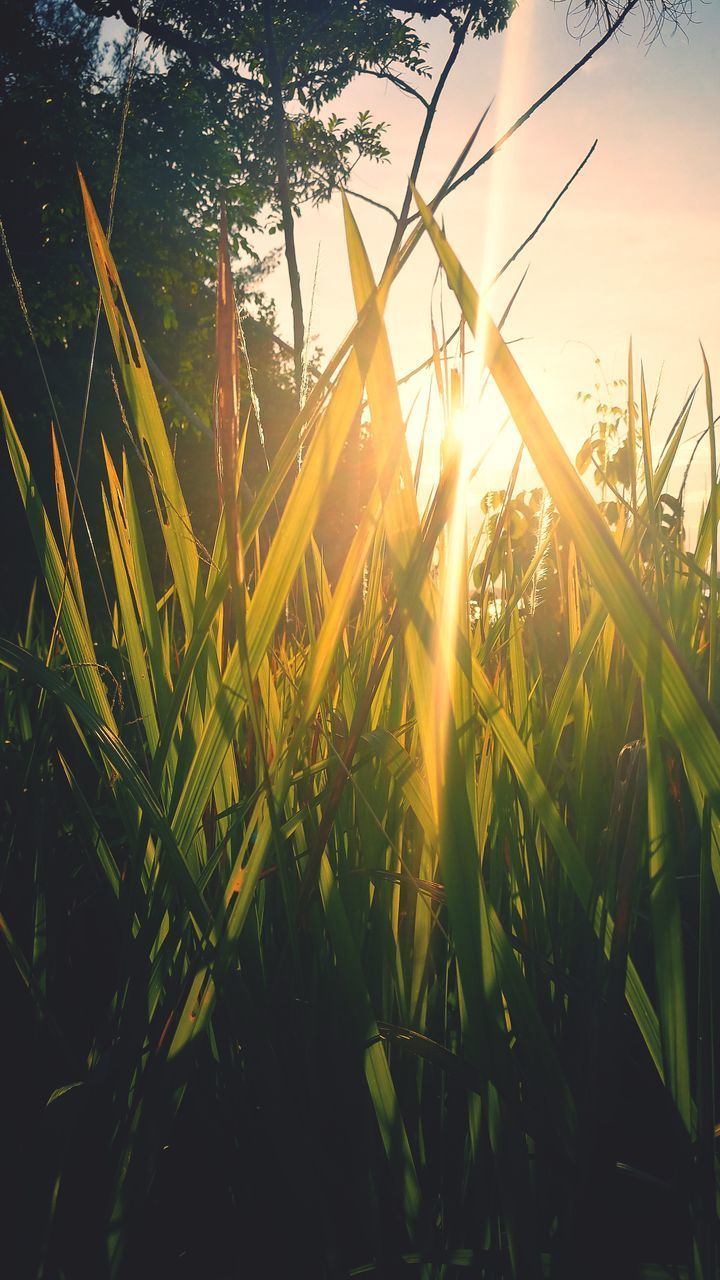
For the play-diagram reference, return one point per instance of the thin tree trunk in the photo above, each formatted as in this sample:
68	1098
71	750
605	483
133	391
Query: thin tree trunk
277	115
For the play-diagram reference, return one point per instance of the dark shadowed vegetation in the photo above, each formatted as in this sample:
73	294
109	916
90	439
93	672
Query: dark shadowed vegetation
360	868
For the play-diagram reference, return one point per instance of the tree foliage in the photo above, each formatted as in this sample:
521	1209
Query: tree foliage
237	97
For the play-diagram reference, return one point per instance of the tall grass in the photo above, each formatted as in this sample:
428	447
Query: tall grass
403	915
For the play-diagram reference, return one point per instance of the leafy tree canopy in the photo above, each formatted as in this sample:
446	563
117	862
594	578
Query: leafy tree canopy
231	95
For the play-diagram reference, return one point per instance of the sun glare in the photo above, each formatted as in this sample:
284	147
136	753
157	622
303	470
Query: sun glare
474	428
488	443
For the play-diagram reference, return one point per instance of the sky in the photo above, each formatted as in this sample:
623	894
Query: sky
632	250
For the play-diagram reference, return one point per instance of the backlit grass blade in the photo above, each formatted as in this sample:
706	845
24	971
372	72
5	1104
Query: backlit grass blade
244	876
100	847
268	600
480	993
120	759
68	540
145	597
565	847
367	874
77	639
377	1071
132	636
682	708
580	655
146	416
666	923
526	1022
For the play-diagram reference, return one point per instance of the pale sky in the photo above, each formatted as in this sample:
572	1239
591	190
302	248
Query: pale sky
632	250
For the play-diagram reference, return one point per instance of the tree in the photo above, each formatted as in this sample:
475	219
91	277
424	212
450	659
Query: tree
234	96
276	65
61	100
225	95
222	98
62	92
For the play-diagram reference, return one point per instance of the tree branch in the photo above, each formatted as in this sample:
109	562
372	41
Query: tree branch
458	41
279	126
513	256
170	37
425	9
539	102
543	220
376	203
398	82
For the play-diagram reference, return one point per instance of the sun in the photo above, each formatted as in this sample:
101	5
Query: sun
480	431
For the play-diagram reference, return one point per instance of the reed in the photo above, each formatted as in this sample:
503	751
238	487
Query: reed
403	913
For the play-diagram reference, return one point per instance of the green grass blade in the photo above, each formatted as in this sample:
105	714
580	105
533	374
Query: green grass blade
683	710
145	412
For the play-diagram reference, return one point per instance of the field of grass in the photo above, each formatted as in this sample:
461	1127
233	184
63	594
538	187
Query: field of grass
364	927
